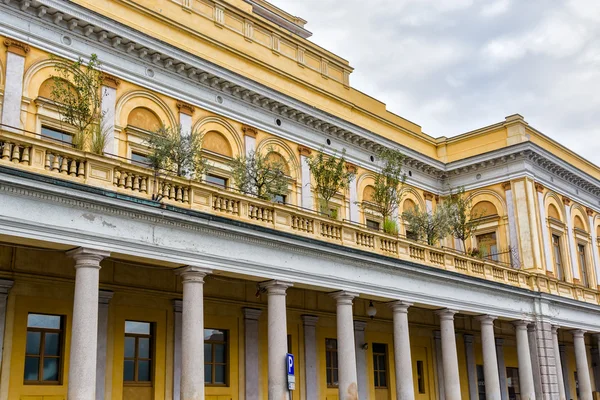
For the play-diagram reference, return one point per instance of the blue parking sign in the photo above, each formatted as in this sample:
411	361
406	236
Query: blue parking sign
290	364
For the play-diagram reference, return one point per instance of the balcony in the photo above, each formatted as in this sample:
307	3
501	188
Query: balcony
28	153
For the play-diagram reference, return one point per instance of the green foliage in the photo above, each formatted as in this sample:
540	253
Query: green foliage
427	226
99	136
76	92
388	183
330	177
462	220
390	226
255	174
174	152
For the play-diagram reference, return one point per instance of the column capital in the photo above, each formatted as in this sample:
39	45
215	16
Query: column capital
566	201
110	81
360	325
539	187
531	327
177	305
506	186
446	314
486	319
276	287
252	314
304	151
192	273
400	306
5	285
14	46
344	297
521	324
87	258
578	333
310	320
468	338
104	296
185	108
554	329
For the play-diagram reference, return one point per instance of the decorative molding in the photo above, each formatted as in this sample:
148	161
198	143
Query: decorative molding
351	168
185	108
507	186
304	151
566	201
249	131
14	46
539	187
590	213
110	81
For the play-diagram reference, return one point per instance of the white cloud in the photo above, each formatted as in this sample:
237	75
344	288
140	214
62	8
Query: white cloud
495	8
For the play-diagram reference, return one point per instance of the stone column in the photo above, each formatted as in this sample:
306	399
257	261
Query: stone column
565	369
177	308
251	353
559	368
311	361
439	364
192	332
449	355
535	361
596	360
524	357
13	88
501	368
490	360
5	286
84	326
571	240
277	337
402	358
101	366
361	359
471	366
512	226
583	371
346	348
306	193
109	103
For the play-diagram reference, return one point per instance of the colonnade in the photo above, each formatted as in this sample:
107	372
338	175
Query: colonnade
84	340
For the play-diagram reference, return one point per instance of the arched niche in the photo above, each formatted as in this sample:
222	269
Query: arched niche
368	193
225	129
554	207
578	223
131	100
412	198
408	205
36	75
143	118
217	143
484	209
554	213
276	158
579	216
489	199
280	147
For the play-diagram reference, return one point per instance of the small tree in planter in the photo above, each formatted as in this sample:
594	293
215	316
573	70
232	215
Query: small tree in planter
428	226
174	153
463	220
76	92
330	176
387	195
259	176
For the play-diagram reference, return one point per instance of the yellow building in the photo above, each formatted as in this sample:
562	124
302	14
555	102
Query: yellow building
118	283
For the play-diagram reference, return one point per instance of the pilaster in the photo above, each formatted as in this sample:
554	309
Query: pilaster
251	353
13	88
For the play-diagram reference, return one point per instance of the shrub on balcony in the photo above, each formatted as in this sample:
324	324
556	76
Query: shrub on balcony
390	226
387	193
427	226
173	152
257	175
330	176
76	94
463	220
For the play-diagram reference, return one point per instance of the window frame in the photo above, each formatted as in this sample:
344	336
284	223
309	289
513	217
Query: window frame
42	356
225	184
329	368
492	256
582	263
136	358
226	364
62	131
376	371
559	267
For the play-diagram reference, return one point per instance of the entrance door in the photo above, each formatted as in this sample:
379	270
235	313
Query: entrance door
420	359
381	371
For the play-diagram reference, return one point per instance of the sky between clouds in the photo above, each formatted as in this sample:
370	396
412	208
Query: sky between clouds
453	66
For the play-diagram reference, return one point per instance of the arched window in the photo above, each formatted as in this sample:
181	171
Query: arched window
143	118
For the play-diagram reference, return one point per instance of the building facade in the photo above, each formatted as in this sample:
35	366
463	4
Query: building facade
108	293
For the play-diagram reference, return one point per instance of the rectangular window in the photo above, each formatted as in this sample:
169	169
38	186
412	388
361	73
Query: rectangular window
280	198
582	264
51	133
557	257
137	366
421	377
512	381
140	159
488	246
373	224
331	357
44	349
480	383
216	180
215	357
380	365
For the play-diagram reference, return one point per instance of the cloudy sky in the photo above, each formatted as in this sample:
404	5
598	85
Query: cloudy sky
457	65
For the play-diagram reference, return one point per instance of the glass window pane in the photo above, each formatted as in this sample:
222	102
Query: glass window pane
214	335
144	371
43	321
140	328
32	365
144	347
129	347
335	377
220	353
382	379
208	373
220	374
52	344
207	352
33	343
335	360
56	134
128	371
50	369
